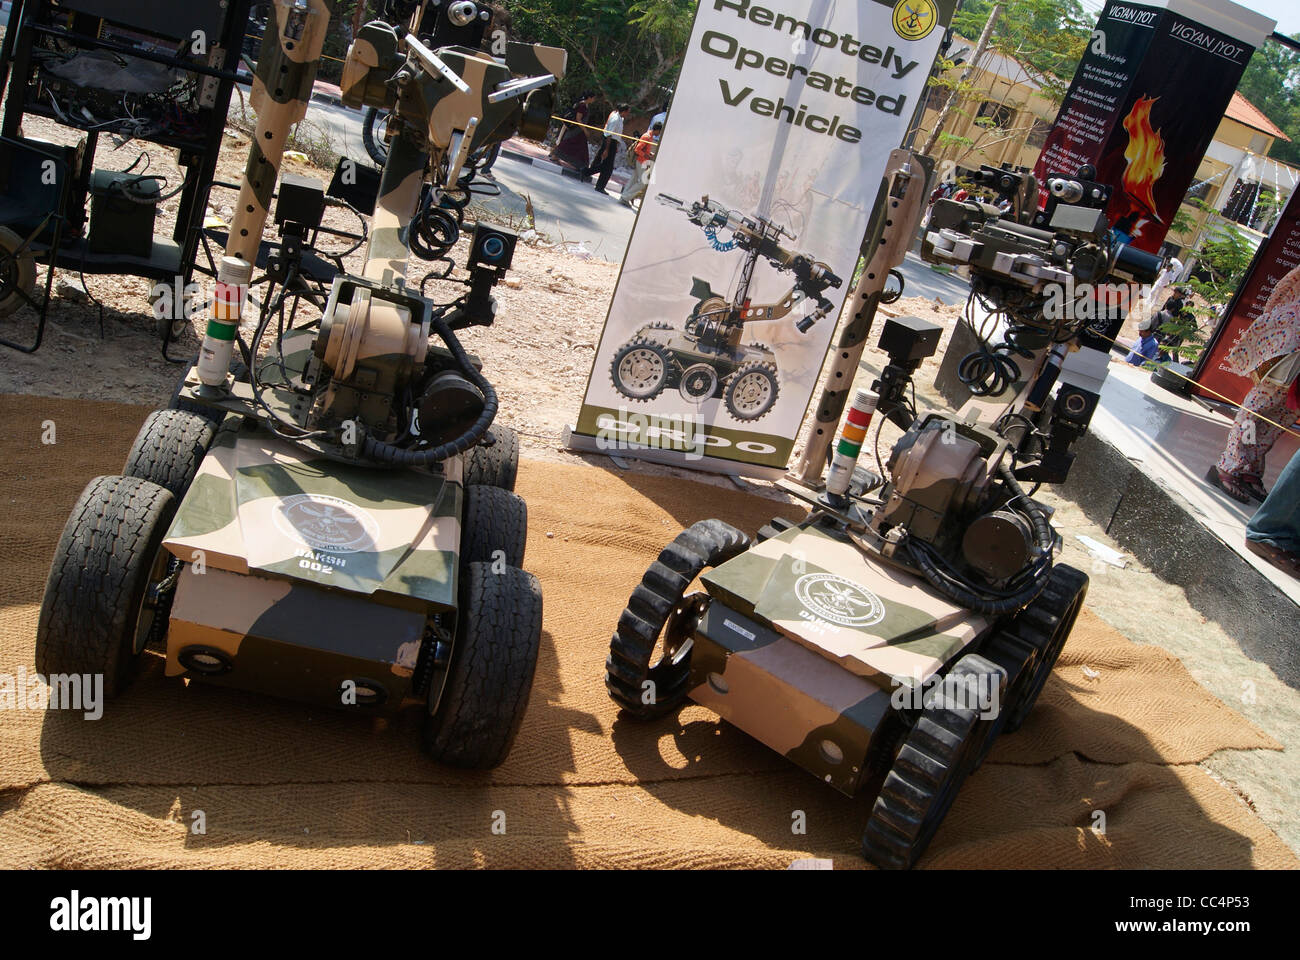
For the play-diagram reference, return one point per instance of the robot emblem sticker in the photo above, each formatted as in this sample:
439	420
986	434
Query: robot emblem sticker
839	600
914	19
326	523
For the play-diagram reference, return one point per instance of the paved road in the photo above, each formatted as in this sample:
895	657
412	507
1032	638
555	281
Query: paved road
565	209
570	210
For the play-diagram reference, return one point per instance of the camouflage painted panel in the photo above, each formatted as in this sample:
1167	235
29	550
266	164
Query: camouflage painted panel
872	619
294	639
533	60
786	696
449	110
260	503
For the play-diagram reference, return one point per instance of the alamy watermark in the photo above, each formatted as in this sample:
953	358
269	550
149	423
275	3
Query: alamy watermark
58	691
981	693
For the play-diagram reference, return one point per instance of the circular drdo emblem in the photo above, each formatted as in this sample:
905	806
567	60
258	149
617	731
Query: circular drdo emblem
326	523
839	600
914	19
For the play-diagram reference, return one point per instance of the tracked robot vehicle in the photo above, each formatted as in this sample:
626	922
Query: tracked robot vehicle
707	359
883	641
327	513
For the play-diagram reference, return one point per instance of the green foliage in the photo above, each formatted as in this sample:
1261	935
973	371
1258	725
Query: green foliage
1047	36
1224	254
620	49
1272	83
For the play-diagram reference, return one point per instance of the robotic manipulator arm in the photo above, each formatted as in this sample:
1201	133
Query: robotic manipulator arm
385	381
760	237
952	509
1034	271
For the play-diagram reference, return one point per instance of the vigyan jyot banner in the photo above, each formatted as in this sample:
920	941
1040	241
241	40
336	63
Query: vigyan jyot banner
744	248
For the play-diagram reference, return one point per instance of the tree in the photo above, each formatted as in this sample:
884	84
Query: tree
1046	38
1272	83
621	49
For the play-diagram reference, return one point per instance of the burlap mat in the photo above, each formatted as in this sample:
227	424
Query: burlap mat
279	784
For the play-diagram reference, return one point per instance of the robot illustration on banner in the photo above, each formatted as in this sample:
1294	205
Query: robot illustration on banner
707	358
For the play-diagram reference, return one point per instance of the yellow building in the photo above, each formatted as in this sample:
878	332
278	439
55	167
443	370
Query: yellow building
1007	121
1236	177
1006	116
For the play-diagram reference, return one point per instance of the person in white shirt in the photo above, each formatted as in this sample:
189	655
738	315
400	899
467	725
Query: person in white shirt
603	164
660	118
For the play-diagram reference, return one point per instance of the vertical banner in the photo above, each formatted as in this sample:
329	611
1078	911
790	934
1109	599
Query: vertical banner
1145	102
1278	256
744	249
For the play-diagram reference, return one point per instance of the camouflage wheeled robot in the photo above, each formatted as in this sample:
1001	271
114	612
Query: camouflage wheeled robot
707	358
335	522
884	640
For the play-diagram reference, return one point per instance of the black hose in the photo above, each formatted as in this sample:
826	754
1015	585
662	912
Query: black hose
388	453
968	595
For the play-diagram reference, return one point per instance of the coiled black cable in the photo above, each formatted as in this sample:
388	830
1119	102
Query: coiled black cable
982	600
387	453
987	371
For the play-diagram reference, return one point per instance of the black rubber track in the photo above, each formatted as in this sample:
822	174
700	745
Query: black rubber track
491	672
656	599
496	464
169	448
98	579
930	767
1044	625
493	519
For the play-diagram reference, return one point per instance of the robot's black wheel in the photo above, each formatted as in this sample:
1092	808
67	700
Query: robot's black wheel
657	618
102	600
169	449
495	463
931	765
640	369
374	123
475	714
751	391
1029	645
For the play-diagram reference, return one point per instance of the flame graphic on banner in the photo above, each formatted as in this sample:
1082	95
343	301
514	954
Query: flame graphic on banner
1145	155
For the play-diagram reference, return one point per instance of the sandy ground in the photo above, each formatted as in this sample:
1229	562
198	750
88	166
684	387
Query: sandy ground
539	354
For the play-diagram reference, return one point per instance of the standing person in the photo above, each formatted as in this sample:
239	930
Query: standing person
608	152
1147	346
572	149
1174	311
1274	531
660	118
1269	353
644	153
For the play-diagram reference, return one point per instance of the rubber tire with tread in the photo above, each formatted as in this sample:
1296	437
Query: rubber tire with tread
932	762
493	519
97	581
17	271
496	464
375	146
493	661
169	448
627	667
